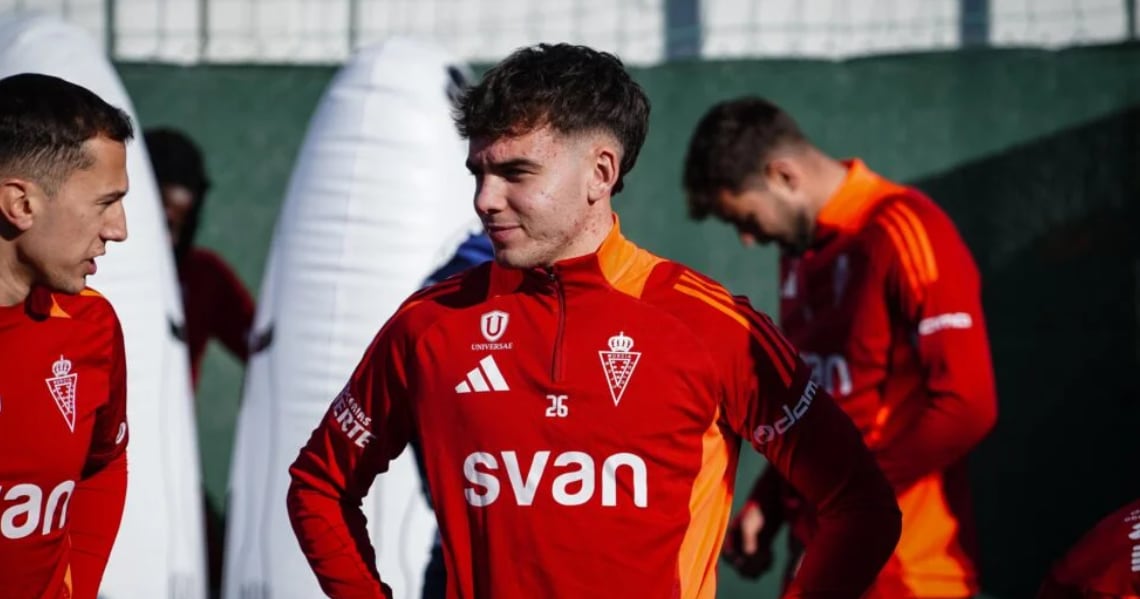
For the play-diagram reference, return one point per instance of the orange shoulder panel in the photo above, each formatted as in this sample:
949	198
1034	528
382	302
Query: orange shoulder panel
909	237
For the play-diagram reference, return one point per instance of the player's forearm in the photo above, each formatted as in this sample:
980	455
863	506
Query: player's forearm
334	538
858	518
856	534
96	512
943	433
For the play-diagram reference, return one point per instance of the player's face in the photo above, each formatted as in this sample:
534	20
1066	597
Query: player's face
762	216
72	228
531	192
177	202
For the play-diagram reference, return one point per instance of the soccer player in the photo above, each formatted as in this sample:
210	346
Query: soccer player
882	298
580	402
1104	564
63	429
216	303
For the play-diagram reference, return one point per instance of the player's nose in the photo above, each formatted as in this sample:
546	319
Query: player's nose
115	227
490	198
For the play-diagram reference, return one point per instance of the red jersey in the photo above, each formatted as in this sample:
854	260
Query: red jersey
886	308
63	433
217	305
1104	564
580	428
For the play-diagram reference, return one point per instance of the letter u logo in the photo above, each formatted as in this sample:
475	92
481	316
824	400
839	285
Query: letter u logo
493	324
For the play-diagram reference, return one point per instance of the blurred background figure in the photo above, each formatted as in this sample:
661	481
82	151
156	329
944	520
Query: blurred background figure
216	304
883	300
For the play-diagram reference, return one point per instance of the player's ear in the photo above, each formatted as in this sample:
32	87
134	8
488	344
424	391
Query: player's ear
16	203
782	174
605	170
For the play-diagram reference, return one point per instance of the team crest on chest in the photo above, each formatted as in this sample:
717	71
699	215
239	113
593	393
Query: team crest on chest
62	387
619	363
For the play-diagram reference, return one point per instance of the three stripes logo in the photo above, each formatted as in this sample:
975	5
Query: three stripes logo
483	378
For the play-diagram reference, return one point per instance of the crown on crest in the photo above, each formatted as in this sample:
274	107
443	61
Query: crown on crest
61	367
621	343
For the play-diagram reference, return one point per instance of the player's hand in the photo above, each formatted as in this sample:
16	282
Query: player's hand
743	548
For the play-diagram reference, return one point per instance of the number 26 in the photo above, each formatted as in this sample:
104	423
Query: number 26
558	407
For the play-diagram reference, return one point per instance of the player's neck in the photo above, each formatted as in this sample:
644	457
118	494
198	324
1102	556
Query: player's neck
594	231
828	177
15	280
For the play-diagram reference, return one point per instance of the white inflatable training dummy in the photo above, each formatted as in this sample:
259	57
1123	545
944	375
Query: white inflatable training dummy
378	199
159	551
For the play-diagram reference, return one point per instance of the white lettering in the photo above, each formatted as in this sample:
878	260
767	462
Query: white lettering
953	320
62	490
484	485
487	481
524	490
609	479
22	518
765	433
491	346
364	438
584	476
353	420
558	407
830	372
29	510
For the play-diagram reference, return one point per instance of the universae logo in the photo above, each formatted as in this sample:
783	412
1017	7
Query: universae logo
765	433
493	325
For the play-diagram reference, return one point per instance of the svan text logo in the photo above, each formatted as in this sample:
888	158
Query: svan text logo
493	325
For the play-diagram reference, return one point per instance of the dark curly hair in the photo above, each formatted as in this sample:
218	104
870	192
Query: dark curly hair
177	160
44	122
731	144
573	89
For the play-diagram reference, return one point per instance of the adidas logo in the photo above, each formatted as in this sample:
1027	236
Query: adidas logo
486	377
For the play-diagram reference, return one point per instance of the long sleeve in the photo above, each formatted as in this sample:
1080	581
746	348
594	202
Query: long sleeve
367	426
97	508
96	514
232	316
813	445
936	291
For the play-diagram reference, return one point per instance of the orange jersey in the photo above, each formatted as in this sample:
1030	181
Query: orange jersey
63	435
580	427
886	308
1104	564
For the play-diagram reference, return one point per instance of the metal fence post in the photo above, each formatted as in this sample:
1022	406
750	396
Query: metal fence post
974	23
682	29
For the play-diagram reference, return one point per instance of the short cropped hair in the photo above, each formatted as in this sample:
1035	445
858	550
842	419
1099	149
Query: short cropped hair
573	89
730	146
44	122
